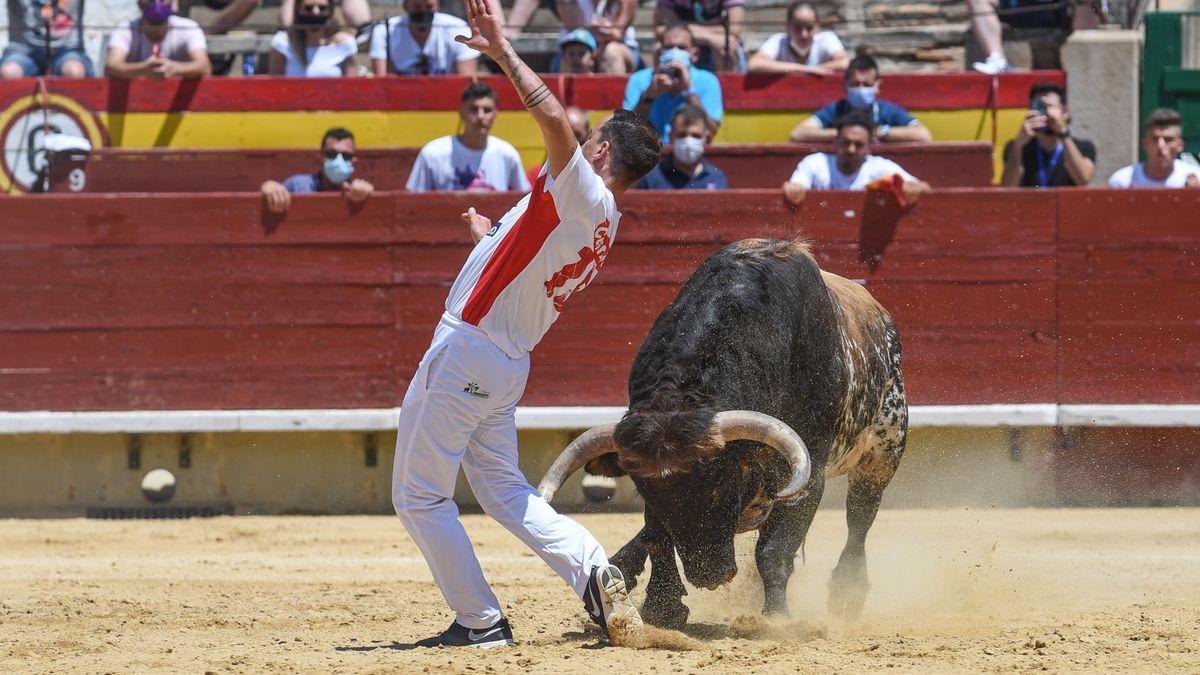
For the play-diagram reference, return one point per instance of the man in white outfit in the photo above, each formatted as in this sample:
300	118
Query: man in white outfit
461	403
1162	144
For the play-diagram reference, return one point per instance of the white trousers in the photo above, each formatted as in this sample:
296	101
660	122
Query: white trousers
460	410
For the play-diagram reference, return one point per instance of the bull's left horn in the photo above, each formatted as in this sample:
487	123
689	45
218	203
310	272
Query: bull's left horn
748	425
590	445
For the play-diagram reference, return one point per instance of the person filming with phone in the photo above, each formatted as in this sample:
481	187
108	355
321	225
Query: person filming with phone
1044	153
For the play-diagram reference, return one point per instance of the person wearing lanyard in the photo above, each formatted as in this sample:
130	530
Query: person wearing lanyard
1044	153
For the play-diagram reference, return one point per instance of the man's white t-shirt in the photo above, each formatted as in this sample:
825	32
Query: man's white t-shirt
825	46
440	52
183	37
819	171
548	247
1134	176
446	164
322	61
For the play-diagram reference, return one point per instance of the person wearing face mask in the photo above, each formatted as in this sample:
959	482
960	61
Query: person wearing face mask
1162	169
1044	152
312	47
686	169
804	48
158	45
656	93
422	43
338	157
892	123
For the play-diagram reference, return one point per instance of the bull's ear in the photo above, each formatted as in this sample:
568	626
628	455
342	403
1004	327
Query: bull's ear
604	465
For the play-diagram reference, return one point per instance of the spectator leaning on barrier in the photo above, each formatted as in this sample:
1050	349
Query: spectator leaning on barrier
581	126
30	23
474	159
338	157
1044	154
852	166
158	45
686	169
716	27
422	43
577	53
1162	144
313	46
657	92
892	123
804	48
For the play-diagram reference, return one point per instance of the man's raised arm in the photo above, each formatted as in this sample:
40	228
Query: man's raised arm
487	36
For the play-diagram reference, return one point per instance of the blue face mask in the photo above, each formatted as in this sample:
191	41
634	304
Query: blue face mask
338	170
675	55
861	97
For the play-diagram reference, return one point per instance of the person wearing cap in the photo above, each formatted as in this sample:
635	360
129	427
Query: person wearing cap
656	93
576	53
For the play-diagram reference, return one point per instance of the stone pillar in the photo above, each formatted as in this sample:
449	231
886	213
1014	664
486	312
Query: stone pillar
1103	68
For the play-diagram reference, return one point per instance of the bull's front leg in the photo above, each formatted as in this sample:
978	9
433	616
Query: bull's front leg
664	592
631	559
778	540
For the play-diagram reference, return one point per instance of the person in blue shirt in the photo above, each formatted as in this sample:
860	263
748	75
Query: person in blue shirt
657	92
686	169
339	157
892	123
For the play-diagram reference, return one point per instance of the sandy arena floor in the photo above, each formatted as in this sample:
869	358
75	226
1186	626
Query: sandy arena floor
962	590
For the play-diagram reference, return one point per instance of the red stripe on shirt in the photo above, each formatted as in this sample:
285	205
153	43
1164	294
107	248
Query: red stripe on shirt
513	254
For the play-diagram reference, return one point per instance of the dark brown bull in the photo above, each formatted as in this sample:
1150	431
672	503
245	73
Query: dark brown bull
764	378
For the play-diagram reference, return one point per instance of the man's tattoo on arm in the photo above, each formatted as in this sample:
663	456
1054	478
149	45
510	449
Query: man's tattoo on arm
537	96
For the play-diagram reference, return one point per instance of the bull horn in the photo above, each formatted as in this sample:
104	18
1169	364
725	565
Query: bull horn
748	425
590	445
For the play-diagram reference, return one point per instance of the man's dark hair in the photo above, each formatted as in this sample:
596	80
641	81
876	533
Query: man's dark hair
337	134
678	28
478	90
1042	88
689	114
636	146
1164	117
855	118
797	5
861	64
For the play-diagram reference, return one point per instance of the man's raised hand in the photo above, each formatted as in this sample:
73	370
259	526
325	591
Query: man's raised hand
487	28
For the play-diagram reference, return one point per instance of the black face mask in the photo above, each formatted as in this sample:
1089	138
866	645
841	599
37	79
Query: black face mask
421	19
306	19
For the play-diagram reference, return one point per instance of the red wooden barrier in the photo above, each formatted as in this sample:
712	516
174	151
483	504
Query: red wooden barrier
233	170
177	302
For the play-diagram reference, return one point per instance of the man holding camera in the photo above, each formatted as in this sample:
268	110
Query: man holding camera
656	93
1044	154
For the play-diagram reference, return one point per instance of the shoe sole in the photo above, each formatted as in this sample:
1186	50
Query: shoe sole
611	583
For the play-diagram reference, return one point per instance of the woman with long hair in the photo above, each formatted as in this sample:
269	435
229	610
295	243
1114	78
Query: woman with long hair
314	45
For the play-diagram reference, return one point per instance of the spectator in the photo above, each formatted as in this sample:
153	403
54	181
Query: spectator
686	169
338	156
716	27
474	159
985	25
852	166
357	13
656	93
313	48
804	48
892	123
158	45
577	53
610	23
422	43
1162	144
30	23
580	127
1055	159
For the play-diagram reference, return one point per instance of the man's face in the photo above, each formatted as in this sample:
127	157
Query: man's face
693	130
411	6
1162	144
862	78
853	145
680	39
802	27
592	143
478	115
577	58
334	147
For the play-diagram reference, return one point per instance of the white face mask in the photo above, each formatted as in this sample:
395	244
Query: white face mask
688	150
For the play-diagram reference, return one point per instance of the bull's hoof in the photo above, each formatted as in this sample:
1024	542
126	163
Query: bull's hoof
665	613
848	593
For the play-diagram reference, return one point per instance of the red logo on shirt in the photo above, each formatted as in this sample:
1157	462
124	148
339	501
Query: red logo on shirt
581	268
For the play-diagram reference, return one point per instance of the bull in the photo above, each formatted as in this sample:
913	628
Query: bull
762	379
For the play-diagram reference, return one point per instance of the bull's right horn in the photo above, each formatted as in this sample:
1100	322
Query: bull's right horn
590	445
749	425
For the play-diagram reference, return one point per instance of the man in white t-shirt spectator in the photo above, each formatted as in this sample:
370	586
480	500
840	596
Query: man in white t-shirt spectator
851	167
422	43
1162	169
474	159
804	48
158	45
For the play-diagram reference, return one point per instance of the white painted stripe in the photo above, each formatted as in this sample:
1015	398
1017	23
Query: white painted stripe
559	418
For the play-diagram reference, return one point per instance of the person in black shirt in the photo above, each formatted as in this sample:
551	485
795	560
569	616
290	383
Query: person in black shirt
1044	154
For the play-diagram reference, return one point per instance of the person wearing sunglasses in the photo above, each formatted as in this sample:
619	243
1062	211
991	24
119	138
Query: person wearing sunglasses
804	48
338	157
314	46
422	43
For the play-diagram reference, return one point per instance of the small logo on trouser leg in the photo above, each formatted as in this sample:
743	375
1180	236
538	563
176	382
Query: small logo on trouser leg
473	389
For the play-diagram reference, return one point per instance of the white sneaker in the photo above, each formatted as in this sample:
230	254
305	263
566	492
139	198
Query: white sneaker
993	65
607	596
